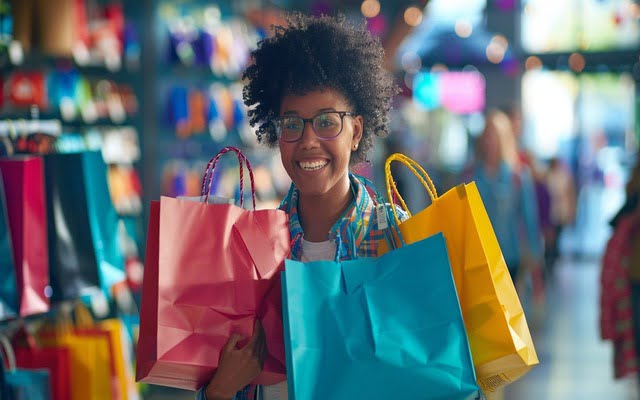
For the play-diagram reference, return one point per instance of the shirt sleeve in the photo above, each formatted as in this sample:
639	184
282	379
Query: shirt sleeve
529	212
201	396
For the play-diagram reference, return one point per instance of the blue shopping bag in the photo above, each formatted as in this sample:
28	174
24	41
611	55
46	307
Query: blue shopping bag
377	328
9	298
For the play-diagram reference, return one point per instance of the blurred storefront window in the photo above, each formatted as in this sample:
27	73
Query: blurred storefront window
585	25
587	121
591	111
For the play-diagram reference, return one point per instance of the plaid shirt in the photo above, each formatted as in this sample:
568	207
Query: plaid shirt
356	233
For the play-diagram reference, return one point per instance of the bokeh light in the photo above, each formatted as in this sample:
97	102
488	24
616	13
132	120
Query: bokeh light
463	28
532	63
411	62
370	8
577	62
413	16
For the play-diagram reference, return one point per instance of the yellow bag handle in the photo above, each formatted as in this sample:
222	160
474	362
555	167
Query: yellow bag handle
417	170
83	316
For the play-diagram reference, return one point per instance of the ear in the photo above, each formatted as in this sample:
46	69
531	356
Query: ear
358	127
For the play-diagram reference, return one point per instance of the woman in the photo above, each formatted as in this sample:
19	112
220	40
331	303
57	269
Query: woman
318	90
508	193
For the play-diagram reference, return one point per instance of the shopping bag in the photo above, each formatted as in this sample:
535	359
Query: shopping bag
210	271
104	222
114	330
9	300
85	253
499	336
89	355
23	178
23	384
56	360
376	328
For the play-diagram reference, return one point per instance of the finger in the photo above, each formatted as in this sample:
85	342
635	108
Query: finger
232	342
261	351
259	346
257	333
264	353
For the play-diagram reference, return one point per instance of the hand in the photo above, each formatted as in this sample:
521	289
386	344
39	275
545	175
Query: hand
238	367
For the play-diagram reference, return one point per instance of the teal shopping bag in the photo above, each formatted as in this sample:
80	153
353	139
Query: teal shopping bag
377	328
104	222
9	298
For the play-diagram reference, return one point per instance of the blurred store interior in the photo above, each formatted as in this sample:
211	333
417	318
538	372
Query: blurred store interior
155	85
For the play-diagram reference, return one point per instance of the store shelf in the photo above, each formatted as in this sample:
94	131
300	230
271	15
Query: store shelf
37	60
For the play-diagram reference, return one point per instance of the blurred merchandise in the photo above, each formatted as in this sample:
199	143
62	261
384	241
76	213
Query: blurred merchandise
90	33
70	95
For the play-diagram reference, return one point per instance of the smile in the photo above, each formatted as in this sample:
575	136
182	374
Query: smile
312	165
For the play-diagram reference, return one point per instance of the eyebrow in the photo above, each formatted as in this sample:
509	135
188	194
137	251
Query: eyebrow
294	112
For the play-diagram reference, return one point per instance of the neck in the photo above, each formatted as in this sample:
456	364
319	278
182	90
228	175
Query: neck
318	213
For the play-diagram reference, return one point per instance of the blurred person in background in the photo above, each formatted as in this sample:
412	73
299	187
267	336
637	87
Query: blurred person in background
526	160
508	193
563	206
544	202
620	283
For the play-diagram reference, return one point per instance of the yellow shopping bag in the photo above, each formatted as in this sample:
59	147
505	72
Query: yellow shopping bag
90	359
122	380
499	337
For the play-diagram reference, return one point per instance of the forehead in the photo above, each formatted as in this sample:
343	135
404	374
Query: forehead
312	102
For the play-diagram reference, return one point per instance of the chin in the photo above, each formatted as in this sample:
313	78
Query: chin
307	188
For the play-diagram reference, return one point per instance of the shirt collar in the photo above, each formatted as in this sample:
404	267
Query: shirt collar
350	229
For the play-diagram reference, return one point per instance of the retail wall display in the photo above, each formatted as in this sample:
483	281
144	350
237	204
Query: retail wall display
202	35
68	94
83	252
77	62
216	109
202	49
90	33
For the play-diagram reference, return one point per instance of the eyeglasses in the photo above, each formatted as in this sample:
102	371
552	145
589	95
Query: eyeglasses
326	125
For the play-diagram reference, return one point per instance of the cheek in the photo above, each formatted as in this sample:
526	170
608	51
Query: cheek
342	152
285	155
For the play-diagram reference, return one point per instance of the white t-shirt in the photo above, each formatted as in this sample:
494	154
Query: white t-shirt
311	251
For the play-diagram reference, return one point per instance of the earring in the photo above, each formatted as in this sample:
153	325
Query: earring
355	147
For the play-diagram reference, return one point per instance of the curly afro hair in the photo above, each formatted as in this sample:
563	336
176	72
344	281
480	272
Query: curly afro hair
314	53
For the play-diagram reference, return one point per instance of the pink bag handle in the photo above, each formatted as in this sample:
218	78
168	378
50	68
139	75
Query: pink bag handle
207	180
208	173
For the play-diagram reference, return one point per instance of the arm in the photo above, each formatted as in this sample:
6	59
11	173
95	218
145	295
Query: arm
237	367
529	212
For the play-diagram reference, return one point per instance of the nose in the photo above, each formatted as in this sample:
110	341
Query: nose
309	138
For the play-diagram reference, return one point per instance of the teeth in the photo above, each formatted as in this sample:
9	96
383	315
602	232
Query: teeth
312	165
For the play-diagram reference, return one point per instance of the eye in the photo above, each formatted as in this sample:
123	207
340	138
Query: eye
291	123
327	120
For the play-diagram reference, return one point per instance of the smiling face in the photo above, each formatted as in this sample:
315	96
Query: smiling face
320	167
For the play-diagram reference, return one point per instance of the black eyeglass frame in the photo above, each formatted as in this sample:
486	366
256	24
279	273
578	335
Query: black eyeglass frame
310	120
